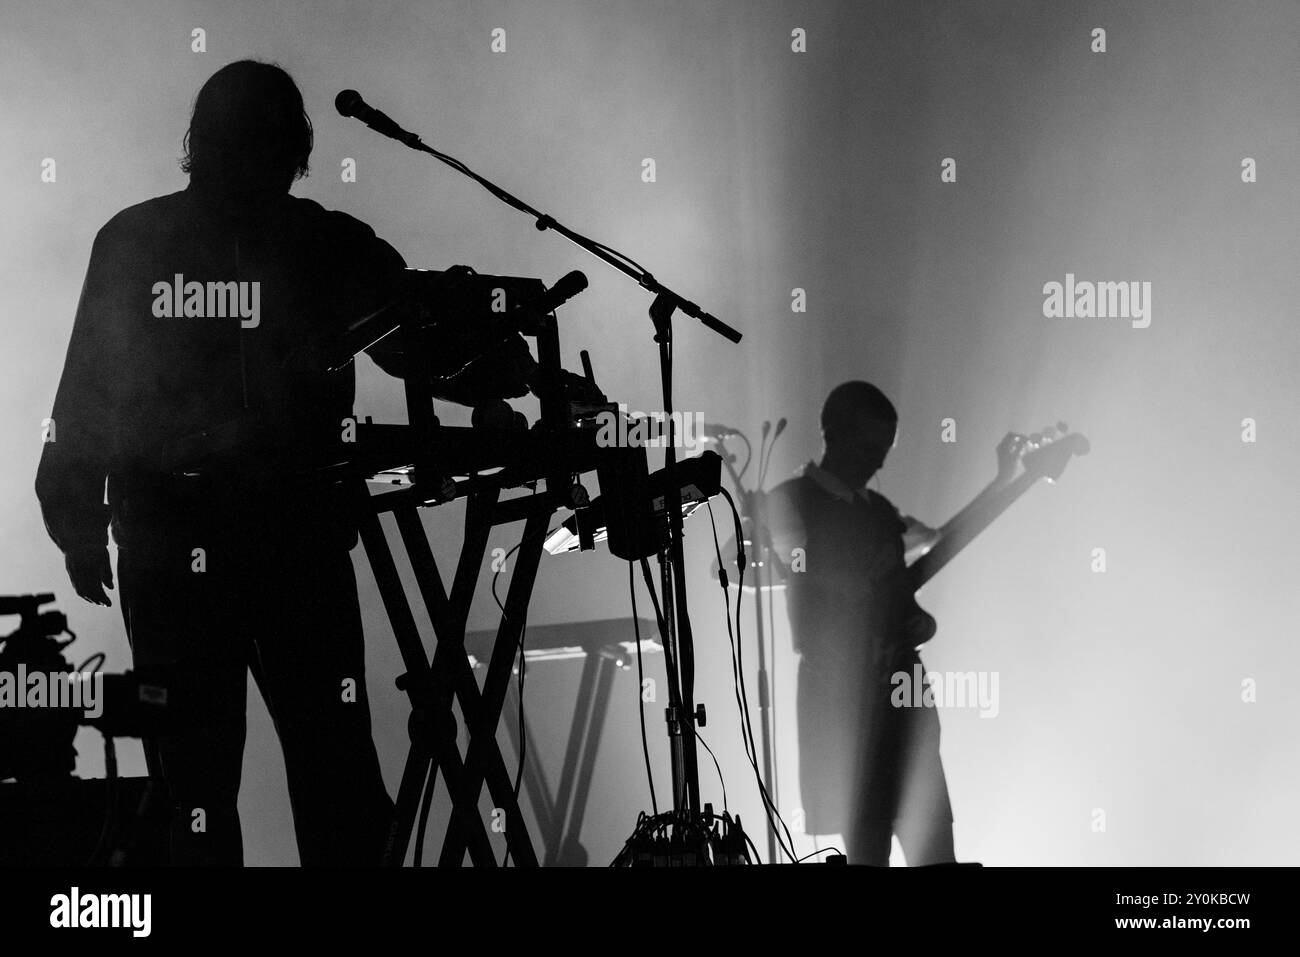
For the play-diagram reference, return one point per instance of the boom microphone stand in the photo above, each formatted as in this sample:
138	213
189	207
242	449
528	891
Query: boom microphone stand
682	717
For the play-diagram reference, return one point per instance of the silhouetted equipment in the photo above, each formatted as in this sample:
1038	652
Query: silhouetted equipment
425	464
684	839
676	627
603	646
753	541
35	742
48	817
445	319
623	520
43	699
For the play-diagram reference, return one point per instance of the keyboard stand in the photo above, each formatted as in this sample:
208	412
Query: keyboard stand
432	683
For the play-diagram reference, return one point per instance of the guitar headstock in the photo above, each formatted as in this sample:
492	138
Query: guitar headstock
1047	453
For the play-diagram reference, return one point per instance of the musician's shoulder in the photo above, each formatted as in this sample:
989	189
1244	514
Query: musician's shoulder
791	497
877	498
880	501
791	489
786	513
345	235
142	217
331	219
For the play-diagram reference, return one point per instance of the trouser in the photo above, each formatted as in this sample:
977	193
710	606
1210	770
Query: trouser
900	788
870	770
282	602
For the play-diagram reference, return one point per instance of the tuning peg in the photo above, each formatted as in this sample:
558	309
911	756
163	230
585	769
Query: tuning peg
1062	428
1049	434
1036	439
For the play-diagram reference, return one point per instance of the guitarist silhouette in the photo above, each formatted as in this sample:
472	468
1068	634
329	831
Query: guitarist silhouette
867	770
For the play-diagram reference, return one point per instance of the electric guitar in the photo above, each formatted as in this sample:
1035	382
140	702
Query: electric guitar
1042	456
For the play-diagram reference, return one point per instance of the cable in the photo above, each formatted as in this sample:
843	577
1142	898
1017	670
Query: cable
741	561
771	681
427	787
736	661
671	670
700	738
523	671
749	457
669	659
821	850
640	685
742	694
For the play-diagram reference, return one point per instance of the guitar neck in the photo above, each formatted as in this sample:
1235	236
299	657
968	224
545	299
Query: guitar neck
964	526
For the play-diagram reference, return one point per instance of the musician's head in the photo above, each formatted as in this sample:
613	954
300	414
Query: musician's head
249	132
859	427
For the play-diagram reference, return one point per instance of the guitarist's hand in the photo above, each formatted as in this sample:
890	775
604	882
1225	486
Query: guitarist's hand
1009	451
921	625
918	538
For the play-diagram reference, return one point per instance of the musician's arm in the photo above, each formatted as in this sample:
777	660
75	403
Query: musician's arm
80	446
498	374
919	538
75	459
364	274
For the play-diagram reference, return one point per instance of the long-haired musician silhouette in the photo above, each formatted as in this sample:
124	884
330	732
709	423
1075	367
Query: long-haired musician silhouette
191	389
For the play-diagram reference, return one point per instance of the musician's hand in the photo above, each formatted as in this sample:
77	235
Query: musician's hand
90	571
1009	451
515	365
500	374
918	538
921	626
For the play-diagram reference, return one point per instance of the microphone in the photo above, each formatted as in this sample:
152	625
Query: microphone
524	319
350	103
780	427
564	289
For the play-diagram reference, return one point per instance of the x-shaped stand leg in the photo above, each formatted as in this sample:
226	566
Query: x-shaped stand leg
483	760
561	814
431	684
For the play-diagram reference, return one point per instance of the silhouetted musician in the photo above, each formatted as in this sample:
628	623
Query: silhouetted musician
867	770
205	325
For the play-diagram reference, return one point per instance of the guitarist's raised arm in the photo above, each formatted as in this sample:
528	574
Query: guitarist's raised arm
919	538
1043	457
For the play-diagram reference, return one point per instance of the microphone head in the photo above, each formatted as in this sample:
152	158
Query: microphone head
780	427
347	102
569	285
767	427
